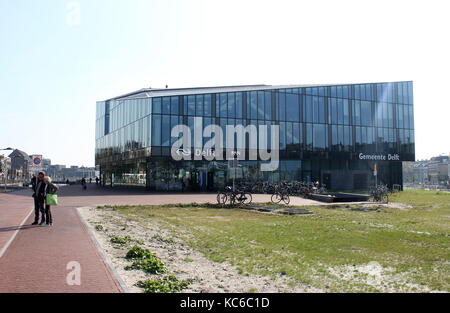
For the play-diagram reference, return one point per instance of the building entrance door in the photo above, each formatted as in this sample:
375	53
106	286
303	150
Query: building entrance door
210	184
326	180
203	180
194	180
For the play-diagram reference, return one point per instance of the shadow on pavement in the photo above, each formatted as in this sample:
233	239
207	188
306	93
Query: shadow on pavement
13	228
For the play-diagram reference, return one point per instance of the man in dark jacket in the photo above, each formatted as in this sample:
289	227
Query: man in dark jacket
38	186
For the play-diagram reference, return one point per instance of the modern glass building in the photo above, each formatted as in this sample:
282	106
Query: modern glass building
335	134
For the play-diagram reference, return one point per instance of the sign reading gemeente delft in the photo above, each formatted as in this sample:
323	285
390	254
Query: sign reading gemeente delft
379	157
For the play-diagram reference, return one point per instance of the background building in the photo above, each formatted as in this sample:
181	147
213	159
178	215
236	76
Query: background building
433	173
20	165
75	173
328	133
438	170
5	168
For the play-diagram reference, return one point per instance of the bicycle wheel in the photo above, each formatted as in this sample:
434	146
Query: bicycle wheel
286	199
276	198
247	198
233	198
240	198
222	198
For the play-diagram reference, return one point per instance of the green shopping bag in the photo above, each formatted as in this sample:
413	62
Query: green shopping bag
51	199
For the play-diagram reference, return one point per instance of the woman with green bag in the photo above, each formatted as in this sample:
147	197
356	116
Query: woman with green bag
50	199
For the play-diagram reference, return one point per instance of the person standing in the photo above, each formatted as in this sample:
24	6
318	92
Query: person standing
37	184
49	189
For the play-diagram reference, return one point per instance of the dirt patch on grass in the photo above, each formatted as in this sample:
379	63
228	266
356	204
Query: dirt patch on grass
382	279
181	260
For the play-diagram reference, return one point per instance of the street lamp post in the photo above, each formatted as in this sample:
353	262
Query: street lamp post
5	174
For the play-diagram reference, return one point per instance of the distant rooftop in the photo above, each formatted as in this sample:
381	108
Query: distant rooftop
20	152
161	92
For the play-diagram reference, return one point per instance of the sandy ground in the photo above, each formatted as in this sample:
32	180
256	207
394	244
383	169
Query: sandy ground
180	259
381	278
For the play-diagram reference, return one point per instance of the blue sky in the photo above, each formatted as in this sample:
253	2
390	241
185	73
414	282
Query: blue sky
54	70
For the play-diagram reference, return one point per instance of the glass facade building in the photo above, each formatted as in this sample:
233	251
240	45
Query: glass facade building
335	134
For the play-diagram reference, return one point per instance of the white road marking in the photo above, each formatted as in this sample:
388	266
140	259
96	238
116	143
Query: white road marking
5	247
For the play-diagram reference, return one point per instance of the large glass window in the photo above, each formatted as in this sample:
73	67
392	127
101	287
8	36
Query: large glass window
191	105
174	121
261	106
282	106
289	134
410	93
223	105
156	102
366	113
166	105
199	105
267	105
348	138
406	116
318	110
207	103
335	138
346	91
156	130
292	108
282	135
174	104
253	102
231	105
296	133
411	117
399	93
165	138
309	136
239	104
332	111
320	137
340	111
309	110
400	116
345	110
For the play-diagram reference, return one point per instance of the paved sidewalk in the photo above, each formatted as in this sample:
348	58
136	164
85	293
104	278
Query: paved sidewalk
37	258
34	258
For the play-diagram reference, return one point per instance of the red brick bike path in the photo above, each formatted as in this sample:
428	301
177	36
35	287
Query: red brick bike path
34	258
37	258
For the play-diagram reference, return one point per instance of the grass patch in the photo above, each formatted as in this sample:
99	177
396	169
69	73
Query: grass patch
137	252
162	239
124	240
338	249
150	266
165	284
144	260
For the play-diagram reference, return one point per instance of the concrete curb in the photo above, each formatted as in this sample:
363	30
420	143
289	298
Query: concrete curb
105	257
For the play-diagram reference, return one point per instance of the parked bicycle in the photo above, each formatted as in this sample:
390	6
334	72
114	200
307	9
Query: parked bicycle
234	197
281	195
380	193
